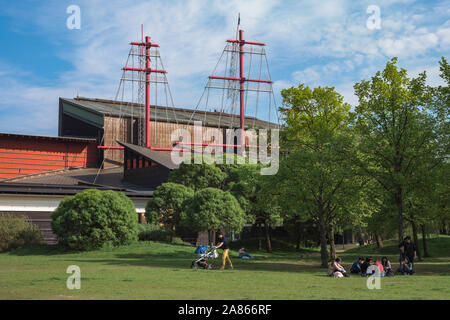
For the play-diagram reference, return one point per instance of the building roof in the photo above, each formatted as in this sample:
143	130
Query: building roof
101	107
164	157
161	157
29	136
72	180
64	190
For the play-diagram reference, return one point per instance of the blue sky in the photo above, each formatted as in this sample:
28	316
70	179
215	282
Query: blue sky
313	42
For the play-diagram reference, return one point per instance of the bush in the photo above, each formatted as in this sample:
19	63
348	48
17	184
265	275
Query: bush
178	240
151	232
16	231
94	218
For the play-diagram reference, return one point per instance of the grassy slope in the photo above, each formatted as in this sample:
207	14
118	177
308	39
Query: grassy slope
161	271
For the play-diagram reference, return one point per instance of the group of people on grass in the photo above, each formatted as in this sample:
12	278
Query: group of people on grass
382	268
363	266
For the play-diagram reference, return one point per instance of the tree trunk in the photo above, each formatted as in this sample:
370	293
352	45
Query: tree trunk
268	242
360	238
416	239
259	236
323	237
332	244
424	241
379	241
172	231
297	245
210	237
399	202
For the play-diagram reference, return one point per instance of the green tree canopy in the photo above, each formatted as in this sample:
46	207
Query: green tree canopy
396	131
168	202
315	179
213	209
198	176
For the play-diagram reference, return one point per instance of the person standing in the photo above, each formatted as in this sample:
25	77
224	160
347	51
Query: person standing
223	243
408	250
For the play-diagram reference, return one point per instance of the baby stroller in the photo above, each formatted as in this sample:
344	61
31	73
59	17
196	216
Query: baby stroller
203	257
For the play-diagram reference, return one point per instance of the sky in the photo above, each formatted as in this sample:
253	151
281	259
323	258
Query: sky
319	43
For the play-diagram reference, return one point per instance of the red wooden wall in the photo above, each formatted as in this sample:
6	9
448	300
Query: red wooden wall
22	155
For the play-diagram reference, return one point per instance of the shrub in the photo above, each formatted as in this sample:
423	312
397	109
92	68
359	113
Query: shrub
178	240
16	231
94	218
151	232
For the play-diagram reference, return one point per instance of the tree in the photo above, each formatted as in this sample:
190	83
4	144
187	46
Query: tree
93	218
267	209
245	182
315	177
168	202
395	127
213	209
198	176
441	107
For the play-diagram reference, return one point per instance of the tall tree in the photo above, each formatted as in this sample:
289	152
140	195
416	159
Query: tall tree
441	107
246	183
315	177
395	126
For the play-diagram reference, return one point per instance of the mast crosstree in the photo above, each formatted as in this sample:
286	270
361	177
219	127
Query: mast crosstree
236	86
144	67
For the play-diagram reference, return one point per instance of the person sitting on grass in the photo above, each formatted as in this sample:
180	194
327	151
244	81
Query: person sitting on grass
243	254
336	270
406	267
356	267
387	267
365	266
380	267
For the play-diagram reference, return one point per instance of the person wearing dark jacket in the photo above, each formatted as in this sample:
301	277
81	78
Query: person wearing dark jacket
365	266
223	243
408	249
356	266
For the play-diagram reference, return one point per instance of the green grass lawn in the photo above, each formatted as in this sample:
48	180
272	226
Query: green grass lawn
152	270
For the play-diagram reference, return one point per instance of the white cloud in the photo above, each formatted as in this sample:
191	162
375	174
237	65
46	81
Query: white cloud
319	43
409	45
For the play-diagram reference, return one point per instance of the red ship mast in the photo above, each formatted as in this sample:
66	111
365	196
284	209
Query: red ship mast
147	44
242	80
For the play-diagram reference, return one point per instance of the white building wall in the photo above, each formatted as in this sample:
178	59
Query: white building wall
46	203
